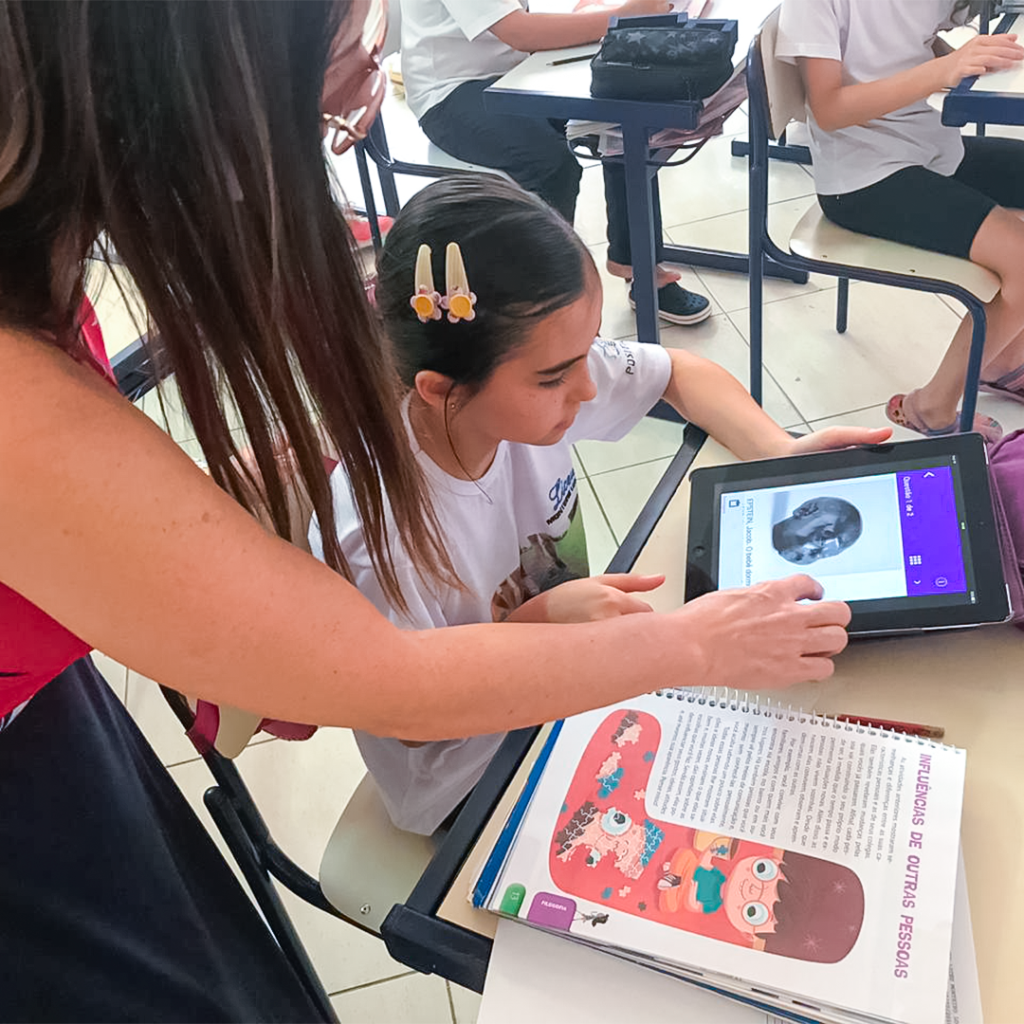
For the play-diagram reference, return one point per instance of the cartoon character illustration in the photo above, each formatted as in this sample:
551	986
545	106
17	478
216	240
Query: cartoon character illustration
612	832
608	851
628	730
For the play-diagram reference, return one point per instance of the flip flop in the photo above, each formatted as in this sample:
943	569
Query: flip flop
898	412
1010	385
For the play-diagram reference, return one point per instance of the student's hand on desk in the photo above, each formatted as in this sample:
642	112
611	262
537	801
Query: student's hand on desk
836	437
763	638
589	599
978	55
637	8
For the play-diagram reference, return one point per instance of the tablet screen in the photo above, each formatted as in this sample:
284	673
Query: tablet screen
885	537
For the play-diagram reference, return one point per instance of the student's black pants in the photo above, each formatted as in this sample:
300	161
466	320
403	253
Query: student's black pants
531	151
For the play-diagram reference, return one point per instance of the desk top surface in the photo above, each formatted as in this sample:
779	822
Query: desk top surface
971	682
566	73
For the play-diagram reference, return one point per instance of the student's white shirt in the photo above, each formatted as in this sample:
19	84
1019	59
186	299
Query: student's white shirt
874	39
515	534
448	42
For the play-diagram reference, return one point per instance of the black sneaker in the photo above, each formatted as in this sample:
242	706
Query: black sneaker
678	306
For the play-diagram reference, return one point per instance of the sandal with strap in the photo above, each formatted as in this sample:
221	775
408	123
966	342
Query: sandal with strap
1010	385
900	411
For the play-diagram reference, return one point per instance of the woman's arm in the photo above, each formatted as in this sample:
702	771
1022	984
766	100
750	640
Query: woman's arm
530	31
707	394
110	528
836	106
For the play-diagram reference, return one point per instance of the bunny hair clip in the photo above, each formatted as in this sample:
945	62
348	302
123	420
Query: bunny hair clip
458	300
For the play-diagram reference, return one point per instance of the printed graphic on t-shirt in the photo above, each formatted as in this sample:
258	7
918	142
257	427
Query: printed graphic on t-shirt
546	560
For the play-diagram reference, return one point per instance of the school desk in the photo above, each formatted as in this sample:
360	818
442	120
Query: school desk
970	681
556	84
997	98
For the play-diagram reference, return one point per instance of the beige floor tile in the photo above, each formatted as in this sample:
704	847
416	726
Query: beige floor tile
650	439
591	221
718	339
623	492
715	182
118	306
730	234
114	672
153	715
410	999
894	342
300	790
465	1003
601	542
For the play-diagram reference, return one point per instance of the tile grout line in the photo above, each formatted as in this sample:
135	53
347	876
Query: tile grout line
370	984
597	498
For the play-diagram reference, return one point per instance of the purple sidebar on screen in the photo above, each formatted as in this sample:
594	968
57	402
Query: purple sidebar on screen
932	549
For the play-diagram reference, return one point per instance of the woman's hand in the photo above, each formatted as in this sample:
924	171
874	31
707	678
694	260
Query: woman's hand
762	637
835	437
979	55
588	599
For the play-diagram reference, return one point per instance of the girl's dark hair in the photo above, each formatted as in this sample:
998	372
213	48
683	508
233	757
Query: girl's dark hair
523	262
190	134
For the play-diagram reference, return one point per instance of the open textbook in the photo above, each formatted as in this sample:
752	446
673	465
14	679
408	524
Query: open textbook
539	977
794	862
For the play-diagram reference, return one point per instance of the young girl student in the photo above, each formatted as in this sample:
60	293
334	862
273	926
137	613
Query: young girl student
885	165
492	303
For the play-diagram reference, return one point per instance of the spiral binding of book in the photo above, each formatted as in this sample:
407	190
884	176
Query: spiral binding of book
736	700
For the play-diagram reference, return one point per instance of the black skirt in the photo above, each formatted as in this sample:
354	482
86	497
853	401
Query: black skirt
115	905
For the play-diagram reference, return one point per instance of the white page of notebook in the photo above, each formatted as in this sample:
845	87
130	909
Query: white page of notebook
539	976
1010	80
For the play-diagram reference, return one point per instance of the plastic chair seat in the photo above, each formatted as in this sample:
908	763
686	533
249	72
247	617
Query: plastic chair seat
369	865
815	237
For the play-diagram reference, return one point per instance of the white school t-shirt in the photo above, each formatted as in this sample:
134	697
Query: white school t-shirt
447	42
517	533
874	39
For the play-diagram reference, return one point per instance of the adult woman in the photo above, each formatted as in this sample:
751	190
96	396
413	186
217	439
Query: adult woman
191	134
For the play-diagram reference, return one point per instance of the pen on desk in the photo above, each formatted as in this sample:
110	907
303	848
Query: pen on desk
572	60
932	732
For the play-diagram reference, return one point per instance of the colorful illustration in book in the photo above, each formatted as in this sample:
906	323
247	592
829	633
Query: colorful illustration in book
607	850
546	560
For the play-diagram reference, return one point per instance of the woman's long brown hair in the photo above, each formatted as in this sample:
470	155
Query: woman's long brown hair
190	134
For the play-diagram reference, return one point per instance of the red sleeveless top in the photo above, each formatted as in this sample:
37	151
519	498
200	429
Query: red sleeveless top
34	647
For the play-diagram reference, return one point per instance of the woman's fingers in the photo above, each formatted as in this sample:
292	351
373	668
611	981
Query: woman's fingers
629	582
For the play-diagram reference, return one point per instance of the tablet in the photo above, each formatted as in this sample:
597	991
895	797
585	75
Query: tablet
904	532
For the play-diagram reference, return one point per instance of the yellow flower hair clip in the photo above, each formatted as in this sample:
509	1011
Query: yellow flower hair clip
458	299
425	300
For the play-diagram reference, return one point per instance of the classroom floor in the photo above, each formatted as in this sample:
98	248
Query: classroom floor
814	377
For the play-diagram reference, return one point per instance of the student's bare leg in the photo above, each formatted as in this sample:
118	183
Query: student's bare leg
999	246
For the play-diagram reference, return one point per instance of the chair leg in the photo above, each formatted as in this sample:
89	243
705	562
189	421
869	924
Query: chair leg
842	304
230	827
369	201
978	325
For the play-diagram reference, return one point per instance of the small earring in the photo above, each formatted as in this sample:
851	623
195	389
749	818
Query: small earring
425	300
458	299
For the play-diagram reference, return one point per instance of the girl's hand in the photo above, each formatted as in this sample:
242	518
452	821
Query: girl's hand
763	638
836	437
636	8
977	56
589	599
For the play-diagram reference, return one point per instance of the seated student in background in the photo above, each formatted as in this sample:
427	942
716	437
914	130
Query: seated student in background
503	373
885	165
454	49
